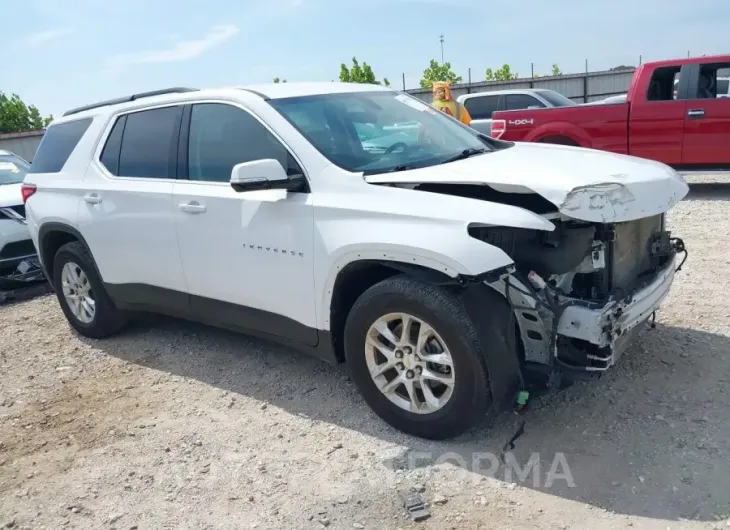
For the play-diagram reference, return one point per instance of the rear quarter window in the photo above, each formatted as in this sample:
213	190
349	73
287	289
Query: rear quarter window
57	144
482	107
521	102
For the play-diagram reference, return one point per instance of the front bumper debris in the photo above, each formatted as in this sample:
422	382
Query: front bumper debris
603	325
576	334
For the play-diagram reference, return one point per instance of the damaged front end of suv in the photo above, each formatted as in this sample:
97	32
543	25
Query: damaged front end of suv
580	293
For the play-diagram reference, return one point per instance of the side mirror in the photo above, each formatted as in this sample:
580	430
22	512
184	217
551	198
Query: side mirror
263	174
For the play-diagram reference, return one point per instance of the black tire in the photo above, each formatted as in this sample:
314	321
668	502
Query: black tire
107	320
471	397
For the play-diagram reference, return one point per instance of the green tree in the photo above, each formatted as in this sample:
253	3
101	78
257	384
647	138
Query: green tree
277	80
438	72
556	70
360	74
503	74
16	116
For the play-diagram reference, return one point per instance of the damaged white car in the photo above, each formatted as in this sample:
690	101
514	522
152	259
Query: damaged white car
19	264
360	225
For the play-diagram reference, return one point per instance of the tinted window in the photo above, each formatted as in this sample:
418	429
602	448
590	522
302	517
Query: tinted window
557	100
222	136
521	101
110	154
12	169
149	143
481	108
57	144
713	81
664	83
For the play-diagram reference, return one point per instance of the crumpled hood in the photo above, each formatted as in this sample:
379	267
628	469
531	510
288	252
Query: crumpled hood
585	184
10	195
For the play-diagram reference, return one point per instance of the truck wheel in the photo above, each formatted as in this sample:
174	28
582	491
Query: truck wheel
81	293
413	354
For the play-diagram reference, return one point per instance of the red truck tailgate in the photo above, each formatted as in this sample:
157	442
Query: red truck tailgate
595	126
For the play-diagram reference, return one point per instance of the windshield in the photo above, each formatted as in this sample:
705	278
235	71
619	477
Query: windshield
12	169
557	100
378	132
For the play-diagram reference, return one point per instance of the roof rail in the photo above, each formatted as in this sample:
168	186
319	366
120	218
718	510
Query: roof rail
126	99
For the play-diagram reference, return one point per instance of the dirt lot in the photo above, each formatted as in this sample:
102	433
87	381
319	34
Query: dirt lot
173	425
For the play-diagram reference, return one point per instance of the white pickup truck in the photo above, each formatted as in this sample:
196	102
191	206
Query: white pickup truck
360	225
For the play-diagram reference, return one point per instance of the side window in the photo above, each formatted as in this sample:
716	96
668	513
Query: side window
521	102
149	143
664	84
723	84
110	154
222	136
482	107
713	81
57	144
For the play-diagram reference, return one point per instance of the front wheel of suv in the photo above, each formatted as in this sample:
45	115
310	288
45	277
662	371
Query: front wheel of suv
81	293
413	354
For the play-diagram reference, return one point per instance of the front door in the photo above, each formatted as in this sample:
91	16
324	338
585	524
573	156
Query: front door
707	121
127	214
247	256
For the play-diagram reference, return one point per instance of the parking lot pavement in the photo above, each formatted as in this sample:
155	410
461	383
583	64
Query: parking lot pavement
173	425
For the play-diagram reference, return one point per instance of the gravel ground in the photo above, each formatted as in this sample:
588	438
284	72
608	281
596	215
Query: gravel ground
173	425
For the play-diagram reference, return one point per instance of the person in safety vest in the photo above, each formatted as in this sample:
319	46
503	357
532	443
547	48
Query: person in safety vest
443	102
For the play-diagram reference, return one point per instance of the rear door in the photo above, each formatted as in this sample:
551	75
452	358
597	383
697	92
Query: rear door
656	120
480	109
707	120
127	214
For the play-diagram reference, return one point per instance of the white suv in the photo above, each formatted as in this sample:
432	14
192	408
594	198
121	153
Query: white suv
442	269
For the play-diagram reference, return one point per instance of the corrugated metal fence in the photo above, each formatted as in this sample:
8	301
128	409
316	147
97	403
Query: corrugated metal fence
23	144
590	86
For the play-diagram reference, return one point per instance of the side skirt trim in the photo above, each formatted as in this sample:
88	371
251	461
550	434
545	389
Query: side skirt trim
241	319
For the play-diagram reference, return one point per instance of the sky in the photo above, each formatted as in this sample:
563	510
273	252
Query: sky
59	54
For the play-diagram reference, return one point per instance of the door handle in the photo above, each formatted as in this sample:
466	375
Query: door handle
192	207
92	198
696	113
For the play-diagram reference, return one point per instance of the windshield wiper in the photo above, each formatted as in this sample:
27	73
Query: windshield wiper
402	167
466	153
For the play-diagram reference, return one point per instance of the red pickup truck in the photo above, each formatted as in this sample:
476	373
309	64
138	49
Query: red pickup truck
672	114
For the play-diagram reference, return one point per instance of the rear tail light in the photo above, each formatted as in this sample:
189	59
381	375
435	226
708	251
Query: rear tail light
498	128
27	190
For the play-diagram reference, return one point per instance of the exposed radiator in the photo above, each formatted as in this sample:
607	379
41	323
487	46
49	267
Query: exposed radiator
632	251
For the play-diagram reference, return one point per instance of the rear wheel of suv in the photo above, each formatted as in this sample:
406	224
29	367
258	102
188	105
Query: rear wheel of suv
413	353
81	293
